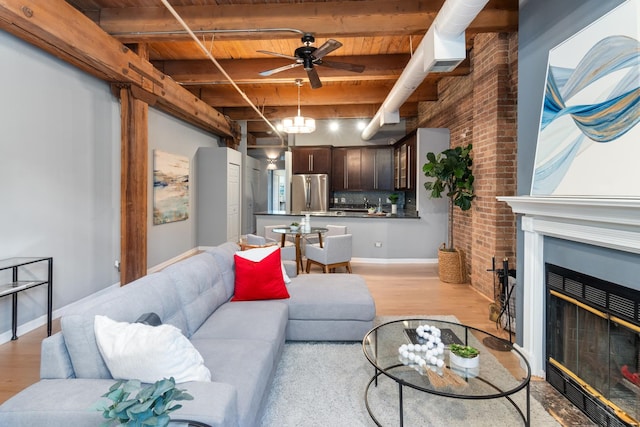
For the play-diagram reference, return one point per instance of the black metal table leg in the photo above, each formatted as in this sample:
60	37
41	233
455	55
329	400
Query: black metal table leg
400	408
14	308
50	297
527	422
14	317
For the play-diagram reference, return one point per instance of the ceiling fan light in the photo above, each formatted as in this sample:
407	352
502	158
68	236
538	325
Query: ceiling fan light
298	121
298	124
287	124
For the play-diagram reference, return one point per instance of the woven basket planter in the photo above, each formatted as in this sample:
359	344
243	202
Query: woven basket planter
451	266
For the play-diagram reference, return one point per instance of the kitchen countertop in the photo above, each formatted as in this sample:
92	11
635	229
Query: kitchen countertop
346	213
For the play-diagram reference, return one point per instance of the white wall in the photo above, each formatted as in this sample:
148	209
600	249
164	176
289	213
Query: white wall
60	170
434	213
166	133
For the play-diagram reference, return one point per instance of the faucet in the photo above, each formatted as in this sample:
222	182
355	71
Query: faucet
366	203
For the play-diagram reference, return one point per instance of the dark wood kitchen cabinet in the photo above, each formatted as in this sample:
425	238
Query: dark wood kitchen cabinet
404	160
376	168
362	168
311	159
346	168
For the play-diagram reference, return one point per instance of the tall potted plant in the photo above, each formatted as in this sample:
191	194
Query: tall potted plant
453	178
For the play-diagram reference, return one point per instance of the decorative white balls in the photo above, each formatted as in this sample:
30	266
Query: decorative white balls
426	355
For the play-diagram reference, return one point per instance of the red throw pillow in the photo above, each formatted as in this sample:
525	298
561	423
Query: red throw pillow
259	275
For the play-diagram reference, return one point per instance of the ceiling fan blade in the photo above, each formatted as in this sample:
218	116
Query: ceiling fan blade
356	68
282	55
314	80
277	70
326	48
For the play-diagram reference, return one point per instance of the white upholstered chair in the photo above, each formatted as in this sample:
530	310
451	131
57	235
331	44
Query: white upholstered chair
336	230
332	230
335	252
288	251
255	240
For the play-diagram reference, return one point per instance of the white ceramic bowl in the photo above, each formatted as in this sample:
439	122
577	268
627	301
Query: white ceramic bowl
463	362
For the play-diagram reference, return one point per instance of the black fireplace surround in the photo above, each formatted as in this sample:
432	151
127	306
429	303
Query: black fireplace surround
593	345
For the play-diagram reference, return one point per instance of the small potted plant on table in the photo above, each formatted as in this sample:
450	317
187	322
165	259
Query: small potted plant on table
464	356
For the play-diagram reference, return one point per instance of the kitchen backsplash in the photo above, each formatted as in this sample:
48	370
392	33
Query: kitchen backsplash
357	199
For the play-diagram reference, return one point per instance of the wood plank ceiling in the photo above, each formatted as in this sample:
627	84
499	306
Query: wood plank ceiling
378	34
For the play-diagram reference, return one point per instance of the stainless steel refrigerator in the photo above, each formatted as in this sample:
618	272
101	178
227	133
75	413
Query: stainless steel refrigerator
310	192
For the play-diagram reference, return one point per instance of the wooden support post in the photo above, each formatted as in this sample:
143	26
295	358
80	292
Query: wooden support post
133	187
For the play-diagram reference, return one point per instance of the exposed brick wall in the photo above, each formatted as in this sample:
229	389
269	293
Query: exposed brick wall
481	109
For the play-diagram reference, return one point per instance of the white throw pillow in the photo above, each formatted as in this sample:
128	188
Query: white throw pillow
258	254
148	353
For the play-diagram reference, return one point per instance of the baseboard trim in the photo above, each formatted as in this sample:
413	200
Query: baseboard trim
395	260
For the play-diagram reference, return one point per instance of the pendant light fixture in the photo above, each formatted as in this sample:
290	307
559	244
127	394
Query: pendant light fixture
298	124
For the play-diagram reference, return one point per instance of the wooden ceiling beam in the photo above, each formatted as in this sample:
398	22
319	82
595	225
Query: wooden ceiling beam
319	112
332	19
58	28
337	17
224	96
258	126
377	67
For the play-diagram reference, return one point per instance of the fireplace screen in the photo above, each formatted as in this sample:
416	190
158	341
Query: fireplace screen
593	345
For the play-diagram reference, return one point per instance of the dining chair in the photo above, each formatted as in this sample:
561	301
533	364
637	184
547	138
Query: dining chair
333	230
288	251
335	252
255	240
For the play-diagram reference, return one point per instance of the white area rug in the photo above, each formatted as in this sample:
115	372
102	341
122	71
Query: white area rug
323	384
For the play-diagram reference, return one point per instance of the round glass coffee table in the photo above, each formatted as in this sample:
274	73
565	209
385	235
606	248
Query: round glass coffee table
396	348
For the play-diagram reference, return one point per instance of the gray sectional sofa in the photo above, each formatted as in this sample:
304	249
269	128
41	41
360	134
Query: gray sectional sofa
240	342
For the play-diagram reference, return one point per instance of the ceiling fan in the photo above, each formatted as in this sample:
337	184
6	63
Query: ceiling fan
308	56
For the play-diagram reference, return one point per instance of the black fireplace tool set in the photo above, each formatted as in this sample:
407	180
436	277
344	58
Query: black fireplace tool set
502	291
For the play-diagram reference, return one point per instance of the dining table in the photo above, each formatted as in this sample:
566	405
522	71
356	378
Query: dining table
299	233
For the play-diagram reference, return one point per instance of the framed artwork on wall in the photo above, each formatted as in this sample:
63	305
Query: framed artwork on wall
589	135
170	187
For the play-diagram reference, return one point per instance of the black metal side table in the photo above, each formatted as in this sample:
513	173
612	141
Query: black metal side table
16	286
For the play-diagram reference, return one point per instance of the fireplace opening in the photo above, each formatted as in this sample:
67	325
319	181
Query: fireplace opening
593	345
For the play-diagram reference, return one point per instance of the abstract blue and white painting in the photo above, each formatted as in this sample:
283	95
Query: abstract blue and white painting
589	135
170	187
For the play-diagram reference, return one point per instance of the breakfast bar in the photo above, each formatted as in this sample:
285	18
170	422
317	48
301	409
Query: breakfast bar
376	238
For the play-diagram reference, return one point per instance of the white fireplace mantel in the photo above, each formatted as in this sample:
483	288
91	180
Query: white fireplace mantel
606	222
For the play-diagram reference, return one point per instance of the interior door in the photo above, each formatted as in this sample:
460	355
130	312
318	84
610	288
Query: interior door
233	202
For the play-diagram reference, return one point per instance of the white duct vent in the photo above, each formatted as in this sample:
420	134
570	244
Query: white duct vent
441	50
444	66
443	54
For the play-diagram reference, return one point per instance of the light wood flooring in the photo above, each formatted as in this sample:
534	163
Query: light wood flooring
398	289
